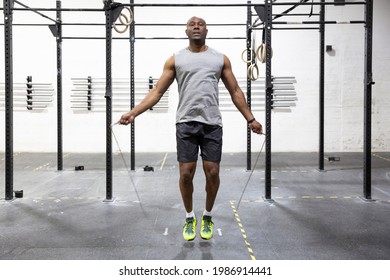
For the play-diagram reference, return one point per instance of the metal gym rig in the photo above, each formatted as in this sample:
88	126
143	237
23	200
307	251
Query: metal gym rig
112	11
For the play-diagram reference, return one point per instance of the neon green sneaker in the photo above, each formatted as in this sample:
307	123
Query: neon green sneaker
189	229
206	231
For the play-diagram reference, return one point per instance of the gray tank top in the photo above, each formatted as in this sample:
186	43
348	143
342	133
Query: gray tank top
197	76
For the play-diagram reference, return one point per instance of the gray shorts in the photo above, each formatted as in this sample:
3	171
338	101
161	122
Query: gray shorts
190	136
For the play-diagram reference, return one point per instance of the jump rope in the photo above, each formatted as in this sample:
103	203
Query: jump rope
135	188
124	162
250	175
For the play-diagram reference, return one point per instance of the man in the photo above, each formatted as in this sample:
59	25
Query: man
197	70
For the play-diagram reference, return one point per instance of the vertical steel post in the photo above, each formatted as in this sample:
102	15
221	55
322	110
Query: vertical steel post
9	92
322	89
368	82
249	85
59	88
108	96
132	91
269	96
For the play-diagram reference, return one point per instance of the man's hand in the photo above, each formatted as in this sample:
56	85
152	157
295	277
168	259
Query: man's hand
126	118
256	127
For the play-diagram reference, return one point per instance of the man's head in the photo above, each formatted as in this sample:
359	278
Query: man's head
196	29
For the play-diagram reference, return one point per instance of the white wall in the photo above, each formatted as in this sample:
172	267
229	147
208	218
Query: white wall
295	54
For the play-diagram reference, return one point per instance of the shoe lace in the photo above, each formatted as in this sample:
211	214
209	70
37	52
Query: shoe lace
189	225
207	224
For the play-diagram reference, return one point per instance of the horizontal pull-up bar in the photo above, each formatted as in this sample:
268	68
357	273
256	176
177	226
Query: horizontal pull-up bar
151	38
58	10
290	28
178	24
188	5
28	24
183	24
134	5
291	15
136	24
181	5
320	22
237	4
161	24
318	3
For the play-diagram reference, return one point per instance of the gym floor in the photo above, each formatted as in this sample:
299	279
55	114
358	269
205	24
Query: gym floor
315	215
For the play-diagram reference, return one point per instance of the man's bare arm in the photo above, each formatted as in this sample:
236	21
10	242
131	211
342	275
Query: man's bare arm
237	95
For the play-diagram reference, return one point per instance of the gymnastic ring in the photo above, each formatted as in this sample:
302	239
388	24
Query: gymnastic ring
242	55
128	20
250	73
261	53
126	25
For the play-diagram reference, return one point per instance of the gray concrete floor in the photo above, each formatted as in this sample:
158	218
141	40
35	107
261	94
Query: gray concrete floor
315	215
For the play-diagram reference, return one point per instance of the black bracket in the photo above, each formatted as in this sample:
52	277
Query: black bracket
115	9
260	10
54	29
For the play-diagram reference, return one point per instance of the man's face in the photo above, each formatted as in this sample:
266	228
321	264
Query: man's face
196	29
